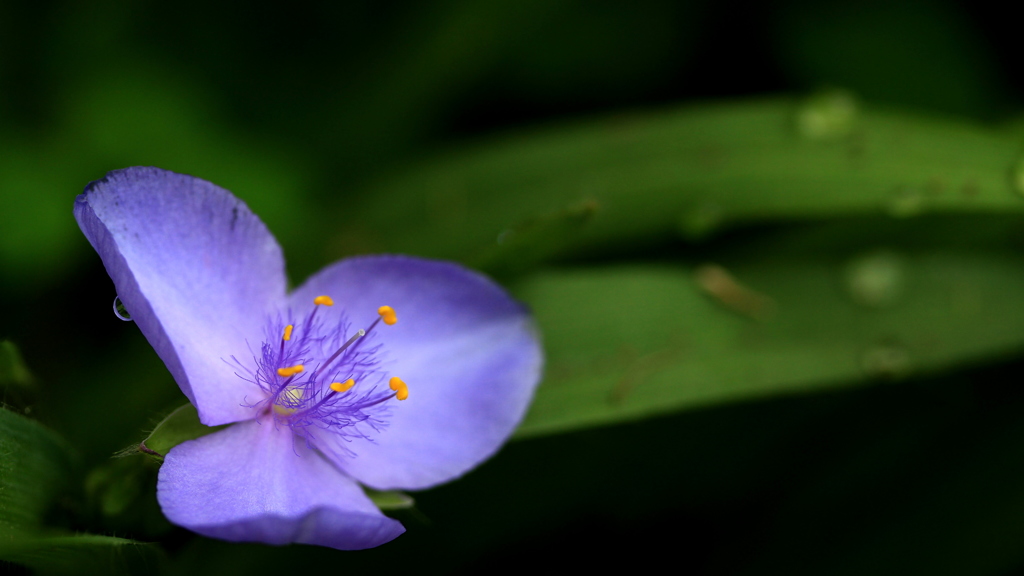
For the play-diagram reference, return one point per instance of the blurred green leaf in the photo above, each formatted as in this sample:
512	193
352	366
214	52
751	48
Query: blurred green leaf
390	499
13	371
1013	127
116	485
532	242
631	341
688	172
36	468
36	472
179	426
82	554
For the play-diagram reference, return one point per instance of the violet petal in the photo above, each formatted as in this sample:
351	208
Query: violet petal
257	482
468	352
196	269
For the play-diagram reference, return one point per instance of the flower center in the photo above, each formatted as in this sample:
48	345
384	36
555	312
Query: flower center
319	377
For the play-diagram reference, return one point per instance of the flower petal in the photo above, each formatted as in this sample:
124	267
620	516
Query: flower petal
195	268
258	482
467	351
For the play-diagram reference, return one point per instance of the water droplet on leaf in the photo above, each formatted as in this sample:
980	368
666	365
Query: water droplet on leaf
905	202
717	282
886	361
1017	176
701	221
875	279
120	311
827	115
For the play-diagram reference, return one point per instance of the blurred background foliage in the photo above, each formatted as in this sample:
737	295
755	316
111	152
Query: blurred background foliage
775	251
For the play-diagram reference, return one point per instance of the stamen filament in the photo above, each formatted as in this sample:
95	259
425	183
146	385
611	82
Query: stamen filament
385	313
338	352
301	397
336	387
373	325
317	303
285	337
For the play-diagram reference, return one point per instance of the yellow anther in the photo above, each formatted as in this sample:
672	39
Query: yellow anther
288	332
343	386
323	301
290	370
387	314
401	390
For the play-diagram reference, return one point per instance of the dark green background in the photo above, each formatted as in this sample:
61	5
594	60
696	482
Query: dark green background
579	129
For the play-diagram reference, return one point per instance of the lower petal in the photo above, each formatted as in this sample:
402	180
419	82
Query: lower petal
258	482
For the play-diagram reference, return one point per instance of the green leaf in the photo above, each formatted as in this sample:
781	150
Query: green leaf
117	484
179	426
81	554
528	243
36	467
13	372
390	499
689	172
811	310
36	473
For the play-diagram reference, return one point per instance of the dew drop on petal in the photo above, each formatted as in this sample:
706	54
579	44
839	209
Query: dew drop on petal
120	311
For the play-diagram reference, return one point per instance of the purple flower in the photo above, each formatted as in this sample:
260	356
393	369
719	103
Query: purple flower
328	386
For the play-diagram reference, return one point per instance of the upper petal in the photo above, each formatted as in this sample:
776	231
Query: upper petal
196	269
258	482
468	352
